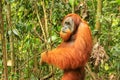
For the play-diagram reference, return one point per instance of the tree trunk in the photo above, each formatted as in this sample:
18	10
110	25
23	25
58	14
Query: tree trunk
4	52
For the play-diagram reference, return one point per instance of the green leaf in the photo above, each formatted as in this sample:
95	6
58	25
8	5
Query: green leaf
53	38
15	31
71	2
9	32
118	1
106	67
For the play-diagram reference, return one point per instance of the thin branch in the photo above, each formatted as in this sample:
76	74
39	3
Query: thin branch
45	18
24	64
37	34
90	72
47	76
40	23
51	9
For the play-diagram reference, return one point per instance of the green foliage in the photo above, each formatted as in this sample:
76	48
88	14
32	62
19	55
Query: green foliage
118	1
27	43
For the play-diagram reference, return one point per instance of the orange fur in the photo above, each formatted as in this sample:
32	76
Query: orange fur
71	56
65	36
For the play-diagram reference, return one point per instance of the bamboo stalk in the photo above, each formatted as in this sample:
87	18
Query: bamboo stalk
98	17
11	38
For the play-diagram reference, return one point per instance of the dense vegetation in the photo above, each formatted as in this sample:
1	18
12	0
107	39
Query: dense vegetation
27	28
